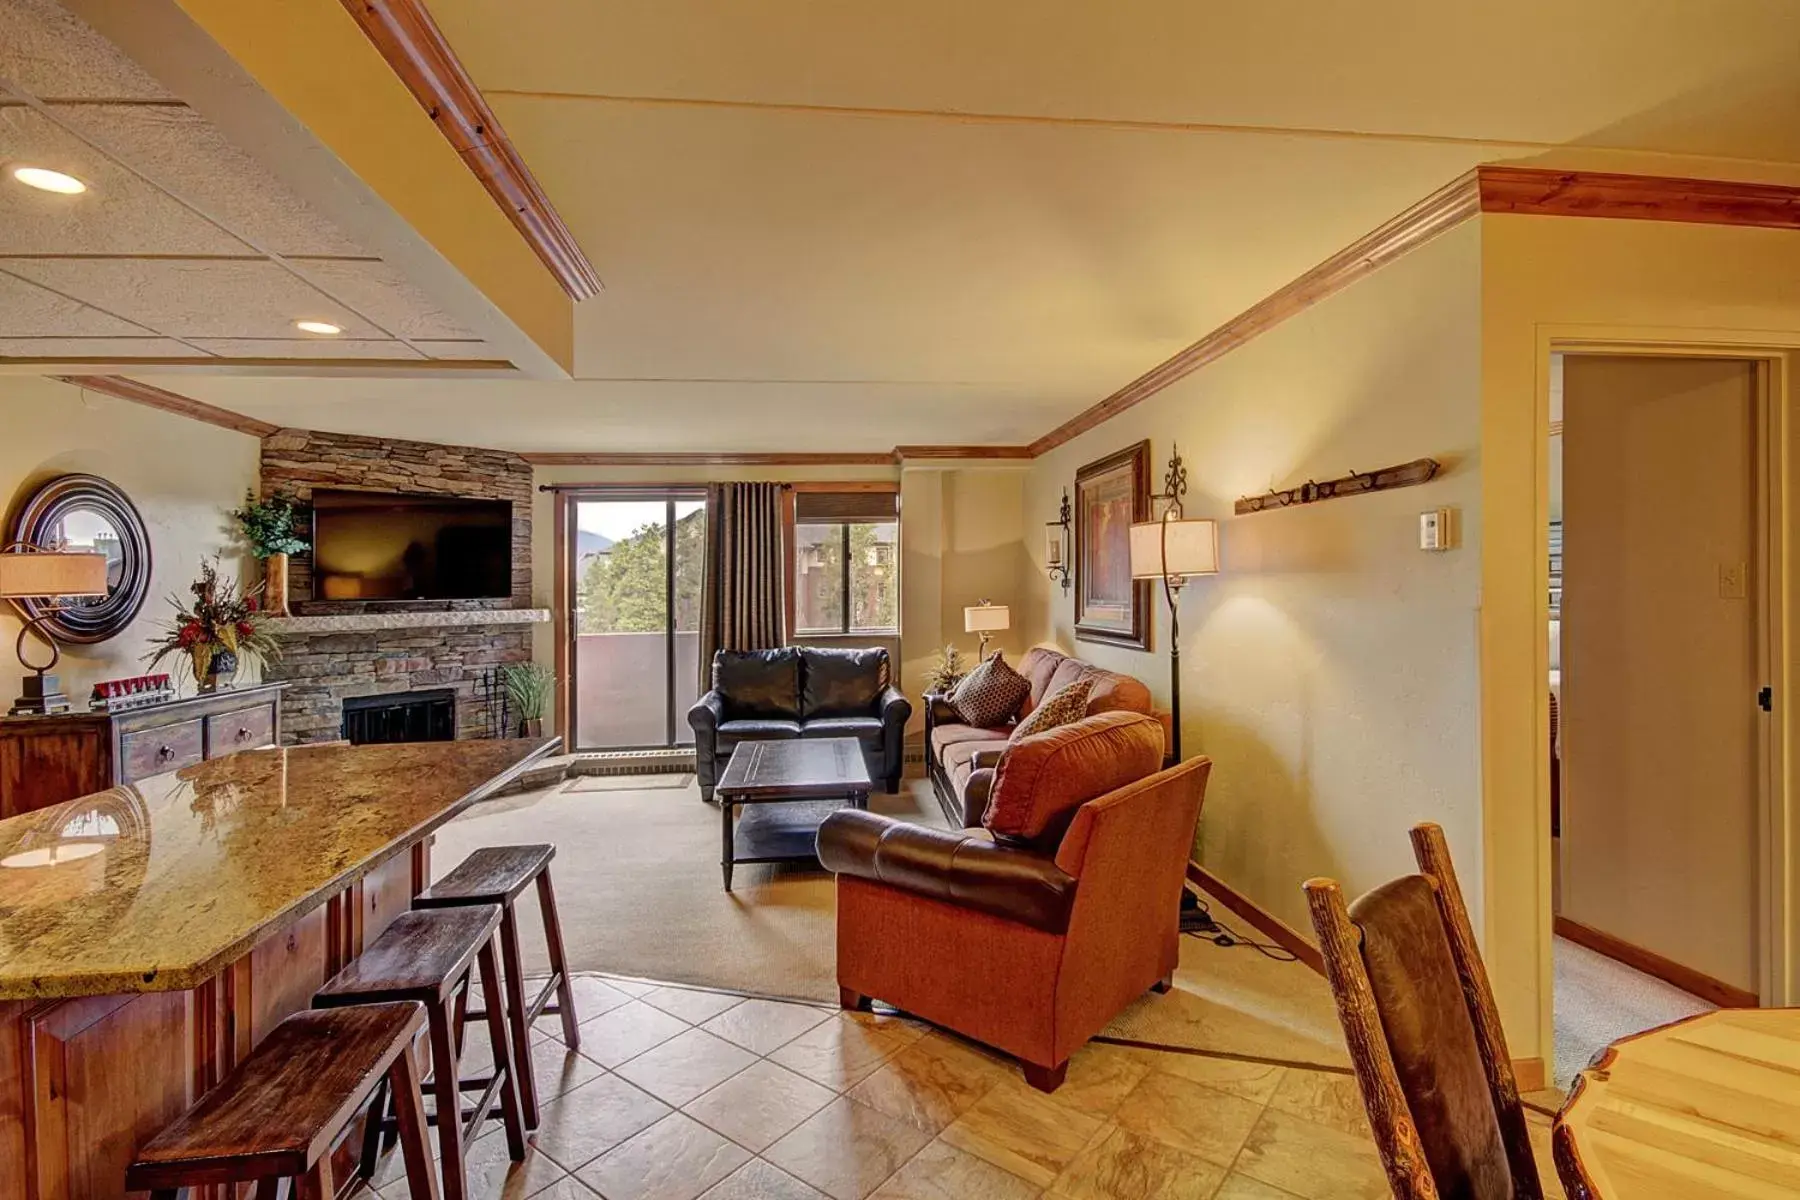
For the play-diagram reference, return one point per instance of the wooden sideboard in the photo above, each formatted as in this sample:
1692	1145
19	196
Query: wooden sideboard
46	760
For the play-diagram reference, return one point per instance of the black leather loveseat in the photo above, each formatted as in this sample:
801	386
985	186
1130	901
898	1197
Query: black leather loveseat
800	692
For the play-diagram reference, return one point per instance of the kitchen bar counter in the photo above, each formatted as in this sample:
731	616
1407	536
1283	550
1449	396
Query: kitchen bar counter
150	935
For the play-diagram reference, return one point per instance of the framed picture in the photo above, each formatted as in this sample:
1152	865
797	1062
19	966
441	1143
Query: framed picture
1110	494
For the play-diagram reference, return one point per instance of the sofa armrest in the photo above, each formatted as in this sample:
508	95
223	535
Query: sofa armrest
707	713
956	868
986	760
976	790
937	706
893	707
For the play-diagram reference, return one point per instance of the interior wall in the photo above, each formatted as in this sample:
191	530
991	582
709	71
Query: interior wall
1330	670
1548	282
182	475
1660	659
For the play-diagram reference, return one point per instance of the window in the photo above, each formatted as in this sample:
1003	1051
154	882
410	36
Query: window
846	563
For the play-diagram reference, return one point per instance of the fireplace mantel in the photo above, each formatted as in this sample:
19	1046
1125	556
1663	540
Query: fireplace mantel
365	622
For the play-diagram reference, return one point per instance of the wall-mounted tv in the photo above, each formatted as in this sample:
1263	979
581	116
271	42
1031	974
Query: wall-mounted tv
395	546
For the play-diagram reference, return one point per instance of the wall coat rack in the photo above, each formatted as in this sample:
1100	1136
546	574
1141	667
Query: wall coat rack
1354	484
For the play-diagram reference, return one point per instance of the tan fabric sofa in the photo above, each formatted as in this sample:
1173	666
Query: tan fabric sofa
961	757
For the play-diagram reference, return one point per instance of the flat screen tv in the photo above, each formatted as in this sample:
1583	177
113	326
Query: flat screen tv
394	546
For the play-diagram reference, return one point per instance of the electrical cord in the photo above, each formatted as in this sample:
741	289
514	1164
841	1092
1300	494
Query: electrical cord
1199	922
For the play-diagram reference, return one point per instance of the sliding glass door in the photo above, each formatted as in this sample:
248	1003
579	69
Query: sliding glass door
635	561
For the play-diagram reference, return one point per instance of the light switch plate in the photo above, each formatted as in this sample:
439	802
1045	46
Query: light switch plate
1733	581
1435	529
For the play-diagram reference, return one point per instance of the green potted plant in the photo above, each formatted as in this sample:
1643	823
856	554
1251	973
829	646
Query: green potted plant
946	673
268	526
527	691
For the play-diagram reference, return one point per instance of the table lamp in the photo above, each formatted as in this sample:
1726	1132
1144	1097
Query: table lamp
1174	549
984	618
29	572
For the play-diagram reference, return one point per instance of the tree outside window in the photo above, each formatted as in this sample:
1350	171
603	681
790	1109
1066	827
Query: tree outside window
847	577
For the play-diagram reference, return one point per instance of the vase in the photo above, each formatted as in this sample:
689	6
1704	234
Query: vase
531	727
221	669
275	585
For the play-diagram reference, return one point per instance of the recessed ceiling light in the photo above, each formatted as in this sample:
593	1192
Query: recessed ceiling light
325	328
46	180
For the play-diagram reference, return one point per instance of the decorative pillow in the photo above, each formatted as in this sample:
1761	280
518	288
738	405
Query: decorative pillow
1065	704
990	694
1045	778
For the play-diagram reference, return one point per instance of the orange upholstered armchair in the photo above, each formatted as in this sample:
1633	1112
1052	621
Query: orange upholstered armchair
1031	934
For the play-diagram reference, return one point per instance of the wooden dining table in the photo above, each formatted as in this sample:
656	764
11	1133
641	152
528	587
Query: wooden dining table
1706	1107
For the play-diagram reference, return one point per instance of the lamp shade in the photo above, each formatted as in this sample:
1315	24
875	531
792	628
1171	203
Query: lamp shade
33	574
1192	548
985	618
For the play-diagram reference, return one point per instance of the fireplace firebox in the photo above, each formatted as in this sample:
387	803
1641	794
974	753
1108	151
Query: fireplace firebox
418	716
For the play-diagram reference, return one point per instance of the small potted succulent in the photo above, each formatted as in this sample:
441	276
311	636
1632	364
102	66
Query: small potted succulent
527	692
212	633
268	526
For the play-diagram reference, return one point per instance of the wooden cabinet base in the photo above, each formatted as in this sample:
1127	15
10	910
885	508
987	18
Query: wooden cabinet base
84	1082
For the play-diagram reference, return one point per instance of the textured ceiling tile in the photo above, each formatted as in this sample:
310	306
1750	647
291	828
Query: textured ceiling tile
28	311
384	295
94	348
185	153
118	214
228	298
307	348
457	350
50	52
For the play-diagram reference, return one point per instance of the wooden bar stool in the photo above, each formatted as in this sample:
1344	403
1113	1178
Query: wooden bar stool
497	875
430	957
279	1113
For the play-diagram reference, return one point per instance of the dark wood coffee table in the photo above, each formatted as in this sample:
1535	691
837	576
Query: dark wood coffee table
788	788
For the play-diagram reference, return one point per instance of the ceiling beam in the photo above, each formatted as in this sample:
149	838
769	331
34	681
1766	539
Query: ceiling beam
119	387
1539	192
414	46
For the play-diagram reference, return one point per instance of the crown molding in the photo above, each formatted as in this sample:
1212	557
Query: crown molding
1545	193
941	452
720	459
121	388
1438	213
413	45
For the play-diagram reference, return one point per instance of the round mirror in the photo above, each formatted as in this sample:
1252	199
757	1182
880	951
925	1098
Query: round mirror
85	512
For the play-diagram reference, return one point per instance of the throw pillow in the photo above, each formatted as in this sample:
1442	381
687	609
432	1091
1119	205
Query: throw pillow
1044	779
1067	703
990	694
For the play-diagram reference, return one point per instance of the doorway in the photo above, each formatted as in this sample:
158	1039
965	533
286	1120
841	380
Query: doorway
1658	654
635	570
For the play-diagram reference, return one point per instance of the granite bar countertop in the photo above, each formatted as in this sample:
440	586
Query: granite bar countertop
157	886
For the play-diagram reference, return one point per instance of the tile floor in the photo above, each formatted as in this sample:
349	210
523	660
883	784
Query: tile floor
682	1094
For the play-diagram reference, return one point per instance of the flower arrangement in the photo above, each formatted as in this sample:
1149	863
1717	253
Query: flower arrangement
268	525
947	672
221	624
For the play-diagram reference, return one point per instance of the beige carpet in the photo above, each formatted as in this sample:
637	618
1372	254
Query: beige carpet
637	881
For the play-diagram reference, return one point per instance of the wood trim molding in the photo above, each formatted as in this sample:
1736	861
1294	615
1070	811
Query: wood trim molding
906	452
1716	991
854	485
1530	1074
721	459
1265	922
1438	213
1546	193
121	388
416	49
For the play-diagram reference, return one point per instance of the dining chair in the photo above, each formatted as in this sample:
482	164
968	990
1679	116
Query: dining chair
1424	1034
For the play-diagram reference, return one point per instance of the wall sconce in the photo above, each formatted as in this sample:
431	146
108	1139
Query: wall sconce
1056	545
1174	549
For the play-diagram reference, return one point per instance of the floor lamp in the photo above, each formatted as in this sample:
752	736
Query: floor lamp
29	572
1174	549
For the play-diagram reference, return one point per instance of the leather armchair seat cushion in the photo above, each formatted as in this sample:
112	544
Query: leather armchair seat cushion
1432	1038
1044	778
962	868
856	727
758	684
841	683
750	729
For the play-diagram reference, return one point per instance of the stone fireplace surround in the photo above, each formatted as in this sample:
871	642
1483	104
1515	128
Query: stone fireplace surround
339	649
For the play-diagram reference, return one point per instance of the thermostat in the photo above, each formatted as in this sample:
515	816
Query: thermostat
1436	530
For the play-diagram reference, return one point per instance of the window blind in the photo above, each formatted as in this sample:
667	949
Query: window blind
820	508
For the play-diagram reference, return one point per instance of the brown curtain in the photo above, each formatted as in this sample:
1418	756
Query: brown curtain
743	601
